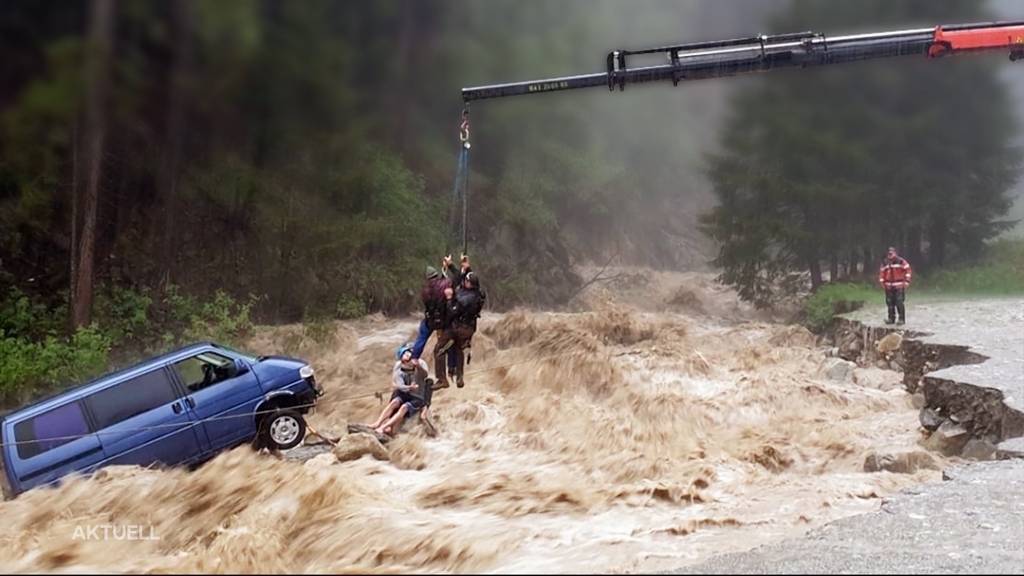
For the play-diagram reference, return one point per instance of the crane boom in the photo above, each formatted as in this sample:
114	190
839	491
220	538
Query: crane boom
760	53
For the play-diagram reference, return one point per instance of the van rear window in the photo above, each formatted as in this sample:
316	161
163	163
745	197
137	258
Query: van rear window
50	430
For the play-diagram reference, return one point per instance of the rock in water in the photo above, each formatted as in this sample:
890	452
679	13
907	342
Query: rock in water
900	462
948	439
889	344
977	449
918	400
355	446
930	419
321	461
839	370
1012	448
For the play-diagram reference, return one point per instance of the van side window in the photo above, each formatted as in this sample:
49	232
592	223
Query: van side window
131	398
204	370
50	430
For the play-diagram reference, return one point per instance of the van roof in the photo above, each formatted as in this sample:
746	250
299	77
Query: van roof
57	398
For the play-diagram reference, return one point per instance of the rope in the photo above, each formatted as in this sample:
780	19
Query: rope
154	426
191	423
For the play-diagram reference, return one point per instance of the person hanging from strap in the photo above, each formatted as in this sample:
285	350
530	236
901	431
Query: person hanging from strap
461	313
432	295
444	359
432	292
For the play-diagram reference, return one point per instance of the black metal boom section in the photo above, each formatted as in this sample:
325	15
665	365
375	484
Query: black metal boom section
700	60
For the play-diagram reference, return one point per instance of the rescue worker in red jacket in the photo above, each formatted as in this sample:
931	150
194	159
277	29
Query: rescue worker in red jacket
894	276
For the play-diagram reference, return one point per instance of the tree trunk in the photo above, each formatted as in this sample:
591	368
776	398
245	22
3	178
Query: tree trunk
833	269
913	253
73	245
937	248
814	266
869	263
100	40
170	160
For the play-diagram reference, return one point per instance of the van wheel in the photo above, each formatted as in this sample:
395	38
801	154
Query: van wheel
282	430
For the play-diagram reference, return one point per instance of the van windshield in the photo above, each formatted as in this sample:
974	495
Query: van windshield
237	352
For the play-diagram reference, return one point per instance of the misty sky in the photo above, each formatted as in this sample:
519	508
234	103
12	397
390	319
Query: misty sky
1014	74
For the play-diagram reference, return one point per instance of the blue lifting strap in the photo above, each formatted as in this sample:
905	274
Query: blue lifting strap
458	210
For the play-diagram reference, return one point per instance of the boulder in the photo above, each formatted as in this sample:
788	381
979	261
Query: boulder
1012	448
839	370
949	439
320	461
322	437
930	419
917	400
848	343
889	344
876	378
900	462
978	449
355	446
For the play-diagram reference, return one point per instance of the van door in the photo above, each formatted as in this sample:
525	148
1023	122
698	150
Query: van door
143	421
51	445
221	397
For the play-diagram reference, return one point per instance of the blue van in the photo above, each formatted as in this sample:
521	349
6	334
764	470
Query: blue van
178	409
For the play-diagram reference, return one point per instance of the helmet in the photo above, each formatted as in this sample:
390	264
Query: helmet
431	272
473	279
403	349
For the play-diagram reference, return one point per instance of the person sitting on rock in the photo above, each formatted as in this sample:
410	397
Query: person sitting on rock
411	394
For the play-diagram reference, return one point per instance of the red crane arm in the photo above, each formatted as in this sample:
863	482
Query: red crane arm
954	39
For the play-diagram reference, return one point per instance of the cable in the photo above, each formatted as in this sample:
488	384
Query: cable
183	425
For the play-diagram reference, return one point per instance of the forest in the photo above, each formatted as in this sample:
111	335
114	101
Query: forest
181	170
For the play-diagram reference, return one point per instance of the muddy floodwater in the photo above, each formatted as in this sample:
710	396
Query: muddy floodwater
636	434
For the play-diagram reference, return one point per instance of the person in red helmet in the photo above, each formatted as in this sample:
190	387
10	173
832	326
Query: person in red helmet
894	276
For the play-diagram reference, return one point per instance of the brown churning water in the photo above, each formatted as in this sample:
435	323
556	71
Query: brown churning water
613	439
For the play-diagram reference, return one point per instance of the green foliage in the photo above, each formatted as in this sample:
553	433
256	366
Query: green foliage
1000	272
36	356
822	306
219	318
318	329
123	313
28	368
349	308
23	317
